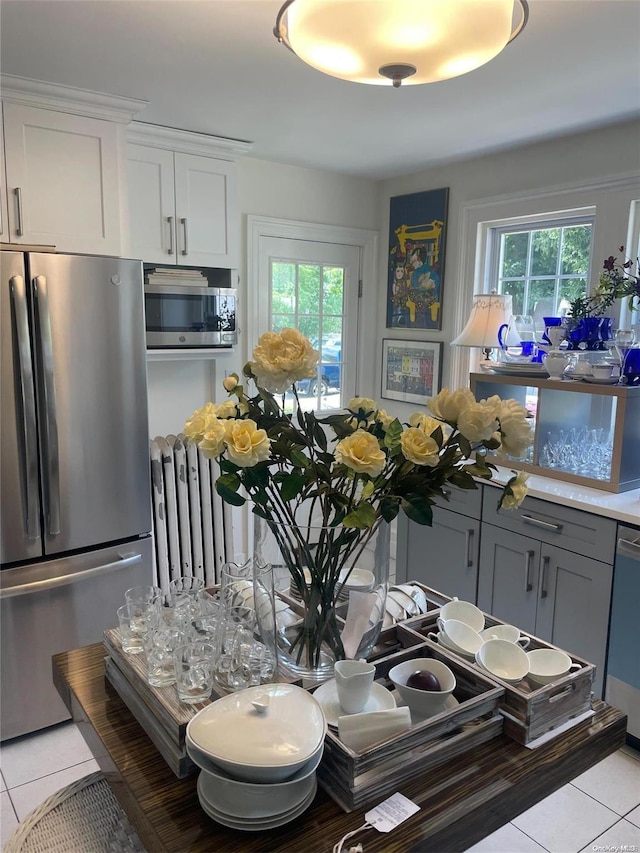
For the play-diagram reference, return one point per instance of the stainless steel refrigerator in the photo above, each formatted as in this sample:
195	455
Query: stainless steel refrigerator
75	509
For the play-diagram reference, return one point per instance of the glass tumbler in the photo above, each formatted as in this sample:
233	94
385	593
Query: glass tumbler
194	662
160	644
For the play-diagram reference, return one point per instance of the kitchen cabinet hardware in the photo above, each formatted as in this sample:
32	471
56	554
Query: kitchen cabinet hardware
528	558
170	249
185	248
542	592
538	522
20	222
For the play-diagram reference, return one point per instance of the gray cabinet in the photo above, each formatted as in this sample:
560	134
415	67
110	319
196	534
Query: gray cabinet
536	574
445	555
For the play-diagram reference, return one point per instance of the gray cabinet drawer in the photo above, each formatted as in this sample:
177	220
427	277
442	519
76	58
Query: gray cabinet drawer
465	501
572	529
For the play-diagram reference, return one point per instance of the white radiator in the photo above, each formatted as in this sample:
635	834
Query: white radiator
191	522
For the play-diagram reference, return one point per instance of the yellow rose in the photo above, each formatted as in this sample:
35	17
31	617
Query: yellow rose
449	405
246	444
477	422
228	409
361	452
518	490
199	422
282	358
385	418
230	382
213	441
424	422
515	435
419	448
368	405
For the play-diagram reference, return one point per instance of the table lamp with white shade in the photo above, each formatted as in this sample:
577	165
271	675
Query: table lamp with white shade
488	312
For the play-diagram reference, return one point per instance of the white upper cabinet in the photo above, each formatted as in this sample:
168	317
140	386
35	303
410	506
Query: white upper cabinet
65	167
182	198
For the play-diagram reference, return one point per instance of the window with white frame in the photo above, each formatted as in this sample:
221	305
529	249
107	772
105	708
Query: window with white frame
542	265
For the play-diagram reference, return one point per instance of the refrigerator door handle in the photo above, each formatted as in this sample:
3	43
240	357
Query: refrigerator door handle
50	444
28	405
64	580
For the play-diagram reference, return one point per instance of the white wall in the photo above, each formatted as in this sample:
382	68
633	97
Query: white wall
583	159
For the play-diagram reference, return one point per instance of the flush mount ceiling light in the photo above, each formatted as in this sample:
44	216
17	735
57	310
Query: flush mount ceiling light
415	41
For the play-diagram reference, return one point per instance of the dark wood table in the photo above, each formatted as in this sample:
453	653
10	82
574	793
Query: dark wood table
461	801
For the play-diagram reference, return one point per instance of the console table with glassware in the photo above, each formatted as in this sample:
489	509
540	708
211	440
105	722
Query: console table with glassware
461	801
585	432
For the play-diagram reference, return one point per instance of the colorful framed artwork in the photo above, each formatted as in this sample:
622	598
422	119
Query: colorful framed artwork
411	370
417	238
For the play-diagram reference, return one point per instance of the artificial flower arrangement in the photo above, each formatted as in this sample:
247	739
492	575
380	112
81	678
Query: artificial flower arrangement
372	467
617	280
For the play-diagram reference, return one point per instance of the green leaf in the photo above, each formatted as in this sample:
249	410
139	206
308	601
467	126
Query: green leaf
367	490
418	509
291	486
389	509
362	517
393	433
299	459
229	495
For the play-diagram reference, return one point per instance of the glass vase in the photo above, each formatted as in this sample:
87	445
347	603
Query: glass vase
331	588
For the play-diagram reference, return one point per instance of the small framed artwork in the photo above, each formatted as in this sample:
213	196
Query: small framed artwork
417	238
411	370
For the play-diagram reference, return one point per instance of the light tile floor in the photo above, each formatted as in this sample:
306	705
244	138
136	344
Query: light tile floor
599	812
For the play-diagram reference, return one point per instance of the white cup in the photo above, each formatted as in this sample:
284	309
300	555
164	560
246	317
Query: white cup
503	659
546	665
505	632
601	371
459	636
463	611
353	682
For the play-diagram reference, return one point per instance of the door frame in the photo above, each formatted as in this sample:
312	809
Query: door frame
365	240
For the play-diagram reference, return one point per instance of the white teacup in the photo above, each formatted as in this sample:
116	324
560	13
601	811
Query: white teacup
459	636
353	683
505	632
601	371
463	611
503	659
546	665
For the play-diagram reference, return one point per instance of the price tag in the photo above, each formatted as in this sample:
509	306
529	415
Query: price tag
391	813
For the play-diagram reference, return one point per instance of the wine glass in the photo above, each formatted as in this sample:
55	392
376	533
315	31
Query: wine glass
623	340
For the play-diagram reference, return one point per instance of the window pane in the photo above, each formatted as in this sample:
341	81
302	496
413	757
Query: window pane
541	299
282	321
514	254
576	246
516	290
544	251
570	288
283	280
308	288
333	290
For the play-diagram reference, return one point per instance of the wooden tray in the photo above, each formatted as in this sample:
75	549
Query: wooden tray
529	709
356	779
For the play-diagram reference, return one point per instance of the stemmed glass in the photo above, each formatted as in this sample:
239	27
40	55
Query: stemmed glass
623	340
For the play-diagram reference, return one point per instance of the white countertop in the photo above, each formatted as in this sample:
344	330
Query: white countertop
623	507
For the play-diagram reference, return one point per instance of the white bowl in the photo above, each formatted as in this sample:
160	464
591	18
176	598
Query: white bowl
423	702
546	665
460	636
503	659
260	747
463	611
255	799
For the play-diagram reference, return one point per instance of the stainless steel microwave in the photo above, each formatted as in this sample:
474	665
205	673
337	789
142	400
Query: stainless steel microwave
184	316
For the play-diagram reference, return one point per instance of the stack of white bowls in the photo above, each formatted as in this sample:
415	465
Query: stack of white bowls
258	750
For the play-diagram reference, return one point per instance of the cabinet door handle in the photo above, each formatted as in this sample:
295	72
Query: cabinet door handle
185	250
468	537
542	592
20	227
170	249
537	522
528	557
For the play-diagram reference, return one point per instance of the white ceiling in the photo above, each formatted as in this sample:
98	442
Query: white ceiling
214	66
